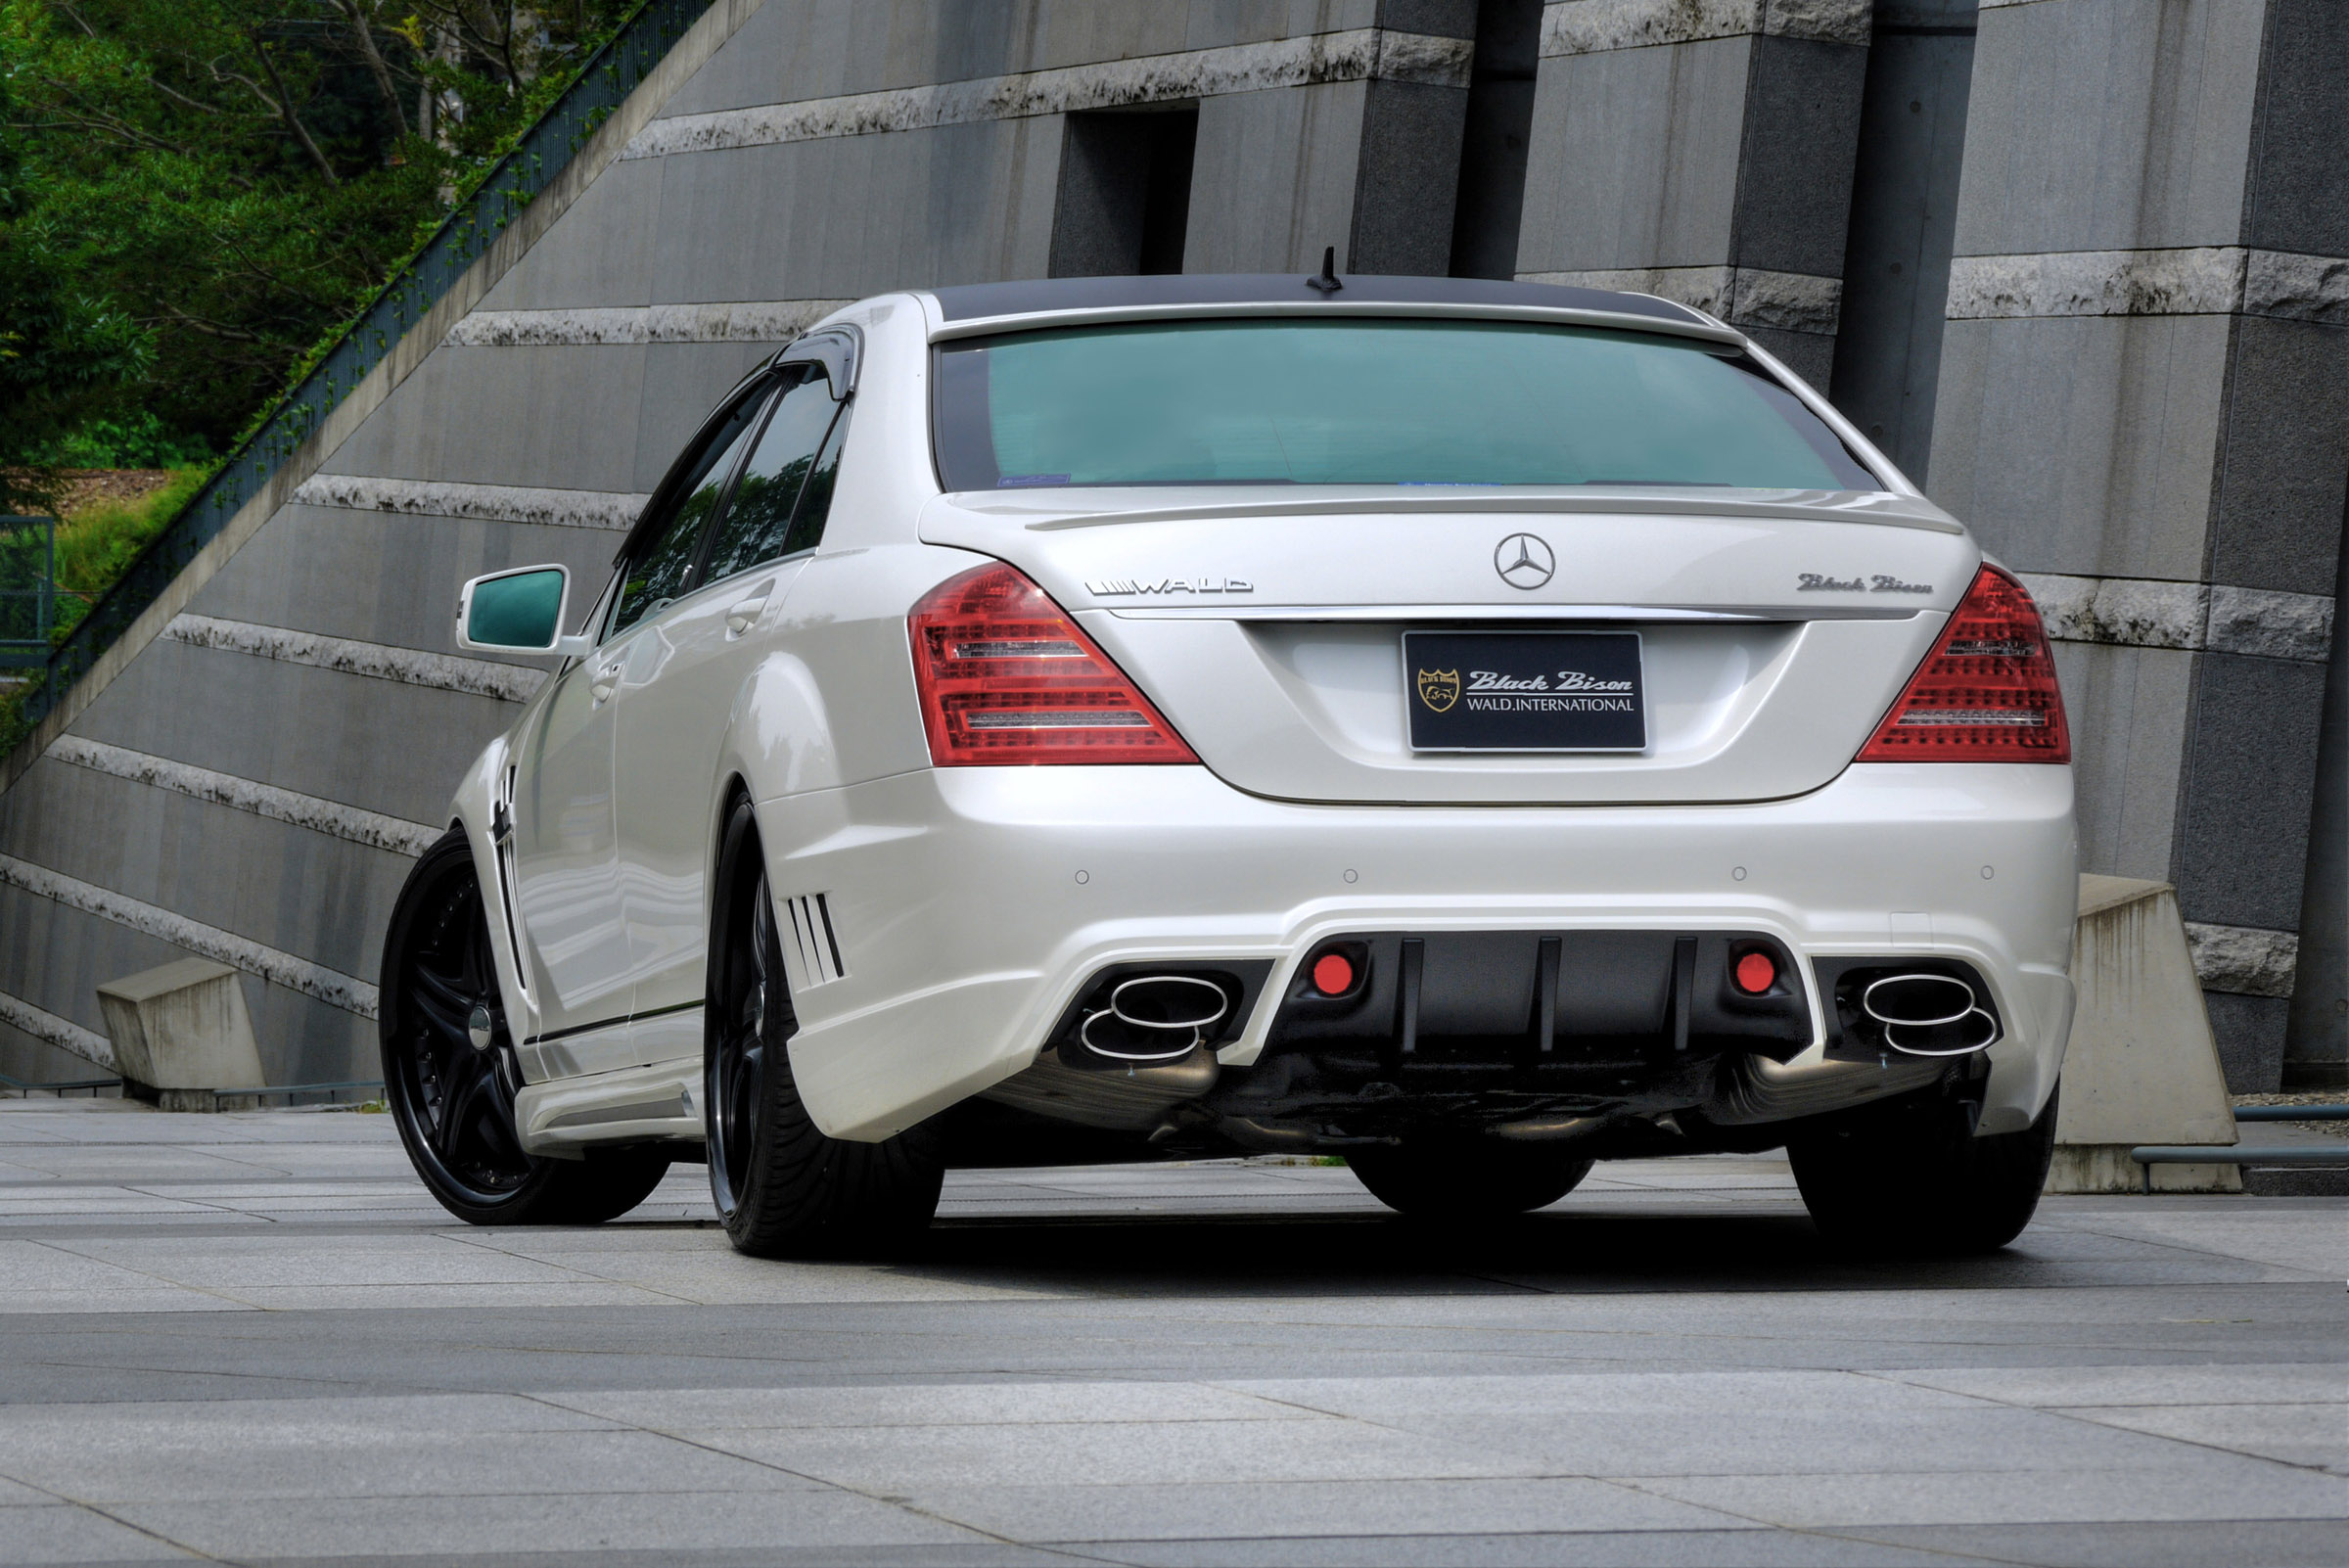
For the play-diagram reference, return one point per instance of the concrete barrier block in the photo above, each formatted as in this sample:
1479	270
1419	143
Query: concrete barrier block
181	1035
2142	1066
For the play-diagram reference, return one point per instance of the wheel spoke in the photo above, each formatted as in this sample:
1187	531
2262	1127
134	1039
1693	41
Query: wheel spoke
461	1105
762	929
473	953
445	1003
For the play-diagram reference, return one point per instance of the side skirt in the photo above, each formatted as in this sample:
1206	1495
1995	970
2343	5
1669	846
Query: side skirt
660	1103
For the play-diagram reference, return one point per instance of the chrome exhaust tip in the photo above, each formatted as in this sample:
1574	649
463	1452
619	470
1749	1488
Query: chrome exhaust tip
1920	1000
1930	1015
1155	1018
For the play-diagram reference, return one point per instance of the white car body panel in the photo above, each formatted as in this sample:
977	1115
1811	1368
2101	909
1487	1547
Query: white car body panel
970	904
965	929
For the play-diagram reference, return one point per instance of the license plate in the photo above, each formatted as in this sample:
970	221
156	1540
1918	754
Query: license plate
1525	691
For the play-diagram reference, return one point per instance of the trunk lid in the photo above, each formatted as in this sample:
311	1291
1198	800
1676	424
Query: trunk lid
1777	628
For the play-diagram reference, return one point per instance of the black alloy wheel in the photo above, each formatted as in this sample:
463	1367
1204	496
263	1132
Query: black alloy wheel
747	983
451	1074
1911	1180
783	1186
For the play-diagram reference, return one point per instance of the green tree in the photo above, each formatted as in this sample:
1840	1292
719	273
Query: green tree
66	353
230	179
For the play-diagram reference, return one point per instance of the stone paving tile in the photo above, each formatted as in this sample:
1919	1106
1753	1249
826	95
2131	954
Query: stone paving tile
2184	1544
929	1405
2118	1385
2284	1242
2221	1488
1213	1362
250	1261
348	1419
572	1524
973	1552
1205	1456
111	1302
251	1467
1832	1393
1763	1443
90	1200
58	1535
1648	1549
1273	1511
2315	1434
699	1267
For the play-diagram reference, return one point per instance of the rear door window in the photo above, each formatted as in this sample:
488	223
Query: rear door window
661	569
758	524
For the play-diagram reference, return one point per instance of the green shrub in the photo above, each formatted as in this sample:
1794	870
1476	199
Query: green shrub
95	545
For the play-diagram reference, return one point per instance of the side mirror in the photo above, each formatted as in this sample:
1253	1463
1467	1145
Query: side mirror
518	612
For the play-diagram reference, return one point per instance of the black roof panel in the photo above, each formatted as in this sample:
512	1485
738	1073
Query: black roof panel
971	301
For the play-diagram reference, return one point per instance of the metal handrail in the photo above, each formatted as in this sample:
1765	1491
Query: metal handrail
2150	1155
2291	1112
28	653
27	1086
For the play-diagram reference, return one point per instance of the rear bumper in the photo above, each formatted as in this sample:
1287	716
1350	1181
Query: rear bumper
970	904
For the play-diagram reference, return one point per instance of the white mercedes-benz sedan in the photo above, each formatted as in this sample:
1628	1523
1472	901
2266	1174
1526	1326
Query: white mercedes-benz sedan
1471	728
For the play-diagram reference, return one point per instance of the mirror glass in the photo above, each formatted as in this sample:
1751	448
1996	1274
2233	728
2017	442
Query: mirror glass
519	611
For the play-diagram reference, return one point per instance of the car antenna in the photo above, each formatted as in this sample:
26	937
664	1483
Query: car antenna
1327	282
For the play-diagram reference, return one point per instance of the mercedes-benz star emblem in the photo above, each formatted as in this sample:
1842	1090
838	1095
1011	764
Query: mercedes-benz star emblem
1524	561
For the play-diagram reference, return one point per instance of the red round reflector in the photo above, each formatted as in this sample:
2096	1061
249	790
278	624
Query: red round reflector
1333	976
1755	972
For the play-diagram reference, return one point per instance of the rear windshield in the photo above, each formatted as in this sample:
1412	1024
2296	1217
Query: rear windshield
1371	402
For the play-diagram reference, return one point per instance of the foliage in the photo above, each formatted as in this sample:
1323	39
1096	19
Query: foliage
97	541
65	353
94	543
135	439
229	180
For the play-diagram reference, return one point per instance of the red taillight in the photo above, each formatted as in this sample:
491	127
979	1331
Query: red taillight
1754	973
1986	693
1006	678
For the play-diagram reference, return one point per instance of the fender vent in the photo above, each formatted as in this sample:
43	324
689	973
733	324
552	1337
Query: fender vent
812	941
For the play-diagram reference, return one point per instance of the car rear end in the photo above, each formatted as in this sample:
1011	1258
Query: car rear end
1545	723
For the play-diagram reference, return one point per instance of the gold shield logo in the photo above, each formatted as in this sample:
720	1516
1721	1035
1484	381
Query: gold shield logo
1439	688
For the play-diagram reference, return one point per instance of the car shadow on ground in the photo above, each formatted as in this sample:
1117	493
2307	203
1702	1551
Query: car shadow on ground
1268	1255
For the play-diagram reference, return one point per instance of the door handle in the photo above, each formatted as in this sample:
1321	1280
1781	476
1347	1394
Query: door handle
740	616
606	681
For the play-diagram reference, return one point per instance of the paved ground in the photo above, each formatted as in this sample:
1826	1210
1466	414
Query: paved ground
252	1338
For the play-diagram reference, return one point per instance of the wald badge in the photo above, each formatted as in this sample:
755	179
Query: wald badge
1526	691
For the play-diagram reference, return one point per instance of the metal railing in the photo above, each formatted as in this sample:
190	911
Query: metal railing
545	150
27	590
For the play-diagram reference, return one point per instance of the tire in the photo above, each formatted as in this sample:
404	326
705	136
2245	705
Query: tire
453	1102
1915	1181
782	1186
1462	1180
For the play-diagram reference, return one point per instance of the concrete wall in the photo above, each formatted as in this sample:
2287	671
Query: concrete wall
2139	395
2144	405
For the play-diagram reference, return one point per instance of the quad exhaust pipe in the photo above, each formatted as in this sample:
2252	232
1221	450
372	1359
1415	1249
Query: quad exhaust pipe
1929	1015
1155	1018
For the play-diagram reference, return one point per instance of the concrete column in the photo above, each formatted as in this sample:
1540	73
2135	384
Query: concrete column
1367	165
1702	152
1896	267
2144	407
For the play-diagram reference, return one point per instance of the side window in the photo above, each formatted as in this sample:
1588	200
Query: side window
815	499
659	570
757	526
